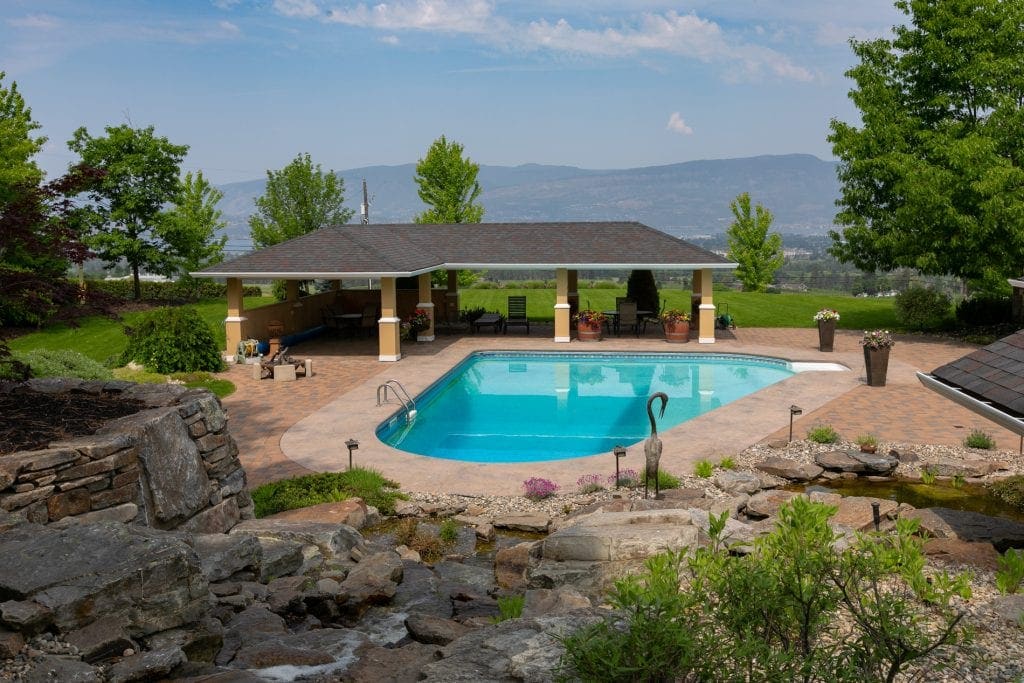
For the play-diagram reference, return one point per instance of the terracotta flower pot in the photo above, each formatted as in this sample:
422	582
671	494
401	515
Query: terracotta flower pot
826	334
588	331
677	331
876	365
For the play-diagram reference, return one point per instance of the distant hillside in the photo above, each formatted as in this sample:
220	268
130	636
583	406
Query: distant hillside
690	198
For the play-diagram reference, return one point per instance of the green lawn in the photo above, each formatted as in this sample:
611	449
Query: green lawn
748	309
99	337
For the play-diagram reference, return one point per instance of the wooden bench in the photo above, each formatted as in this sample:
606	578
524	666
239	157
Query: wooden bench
492	319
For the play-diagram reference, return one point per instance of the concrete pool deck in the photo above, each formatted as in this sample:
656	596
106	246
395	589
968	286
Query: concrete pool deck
292	428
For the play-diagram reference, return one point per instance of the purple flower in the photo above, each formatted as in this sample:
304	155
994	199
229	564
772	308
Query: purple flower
536	488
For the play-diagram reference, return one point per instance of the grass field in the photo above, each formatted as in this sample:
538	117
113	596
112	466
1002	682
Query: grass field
99	337
748	309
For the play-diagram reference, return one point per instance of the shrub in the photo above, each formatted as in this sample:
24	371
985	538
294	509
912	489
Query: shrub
727	463
590	483
326	487
868	440
927	475
862	613
48	363
1010	571
449	532
1010	490
509	607
603	284
922	308
184	290
627	479
666	481
979	439
173	340
469	315
983	310
823	434
536	488
703	469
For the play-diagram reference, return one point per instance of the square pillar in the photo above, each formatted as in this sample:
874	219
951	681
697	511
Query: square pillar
390	344
427	304
695	300
451	297
562	305
233	323
706	331
574	294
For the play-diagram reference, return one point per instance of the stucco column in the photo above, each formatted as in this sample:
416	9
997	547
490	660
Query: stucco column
706	333
562	305
427	304
574	295
390	348
695	300
451	297
233	323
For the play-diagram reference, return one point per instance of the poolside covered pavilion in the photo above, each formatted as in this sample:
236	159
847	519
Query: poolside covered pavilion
389	252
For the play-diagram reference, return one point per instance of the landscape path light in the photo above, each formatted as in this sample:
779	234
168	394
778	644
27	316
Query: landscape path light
352	445
793	410
620	452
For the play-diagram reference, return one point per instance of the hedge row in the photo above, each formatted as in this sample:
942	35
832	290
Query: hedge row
180	291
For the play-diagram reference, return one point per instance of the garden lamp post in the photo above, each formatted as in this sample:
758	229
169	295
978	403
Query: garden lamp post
876	517
352	445
793	410
620	452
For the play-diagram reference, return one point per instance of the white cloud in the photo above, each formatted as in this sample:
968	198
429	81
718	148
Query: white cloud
390	40
457	16
676	124
225	4
229	28
303	9
39	22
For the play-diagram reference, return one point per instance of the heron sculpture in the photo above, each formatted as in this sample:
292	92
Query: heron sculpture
652	446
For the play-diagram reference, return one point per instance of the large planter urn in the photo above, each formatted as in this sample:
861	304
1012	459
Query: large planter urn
876	365
677	331
826	334
588	331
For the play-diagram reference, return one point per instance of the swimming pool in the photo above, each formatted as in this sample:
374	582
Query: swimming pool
532	406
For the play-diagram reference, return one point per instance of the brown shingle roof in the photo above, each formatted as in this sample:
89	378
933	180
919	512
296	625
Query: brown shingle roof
994	373
408	249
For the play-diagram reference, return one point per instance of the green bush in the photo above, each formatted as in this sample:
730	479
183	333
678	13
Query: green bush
1010	490
173	340
603	284
184	290
822	434
703	469
983	310
922	308
666	481
449	531
327	487
727	463
509	607
818	613
979	439
48	363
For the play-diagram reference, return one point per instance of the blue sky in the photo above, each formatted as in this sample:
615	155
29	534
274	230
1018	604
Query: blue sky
248	84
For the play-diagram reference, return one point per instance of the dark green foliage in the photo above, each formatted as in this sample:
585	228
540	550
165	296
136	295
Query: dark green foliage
823	434
794	609
449	531
757	252
313	489
509	607
979	439
922	308
641	288
183	291
983	310
47	363
1011	490
665	481
173	340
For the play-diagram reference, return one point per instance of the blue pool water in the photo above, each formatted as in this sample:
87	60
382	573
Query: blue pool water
523	407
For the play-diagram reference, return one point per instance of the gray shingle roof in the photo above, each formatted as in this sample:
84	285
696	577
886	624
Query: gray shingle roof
409	249
994	373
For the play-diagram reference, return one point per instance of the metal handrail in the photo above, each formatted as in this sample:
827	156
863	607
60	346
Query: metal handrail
401	394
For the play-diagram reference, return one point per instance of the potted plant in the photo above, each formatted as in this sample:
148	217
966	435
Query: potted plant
589	324
418	321
677	325
877	344
826	319
868	443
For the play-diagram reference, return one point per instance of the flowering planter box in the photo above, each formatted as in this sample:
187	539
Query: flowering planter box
677	332
588	331
876	365
826	334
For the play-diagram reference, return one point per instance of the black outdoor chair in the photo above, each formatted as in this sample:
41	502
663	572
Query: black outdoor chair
517	314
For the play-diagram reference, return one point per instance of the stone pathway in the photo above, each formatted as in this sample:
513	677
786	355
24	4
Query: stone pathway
313	417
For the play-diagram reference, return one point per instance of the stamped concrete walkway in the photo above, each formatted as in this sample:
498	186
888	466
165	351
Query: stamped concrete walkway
287	429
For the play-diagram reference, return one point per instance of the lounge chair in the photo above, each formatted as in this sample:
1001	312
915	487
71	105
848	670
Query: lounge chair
516	314
487	320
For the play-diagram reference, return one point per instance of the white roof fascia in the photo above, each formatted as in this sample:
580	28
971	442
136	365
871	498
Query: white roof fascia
983	408
590	266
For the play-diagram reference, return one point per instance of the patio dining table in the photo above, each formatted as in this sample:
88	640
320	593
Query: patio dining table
613	318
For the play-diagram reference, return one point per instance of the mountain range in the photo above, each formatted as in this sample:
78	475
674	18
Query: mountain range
685	199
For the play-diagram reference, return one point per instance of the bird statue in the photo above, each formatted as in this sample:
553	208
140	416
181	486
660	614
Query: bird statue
652	446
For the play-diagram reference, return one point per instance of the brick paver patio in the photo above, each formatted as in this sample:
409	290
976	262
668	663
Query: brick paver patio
313	416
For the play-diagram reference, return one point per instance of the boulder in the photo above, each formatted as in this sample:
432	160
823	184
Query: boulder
11	643
217	519
970	526
351	512
965	468
738	482
407	508
790	469
456	576
372	581
510	565
1009	608
221	555
249	626
523	522
200	641
767	503
149	580
618	536
146	666
100	640
425	628
50	668
682	496
333	540
25	616
279	557
540	602
736	534
855	512
395	665
962	553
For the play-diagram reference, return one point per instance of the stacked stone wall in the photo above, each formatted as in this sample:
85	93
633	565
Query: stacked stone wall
172	465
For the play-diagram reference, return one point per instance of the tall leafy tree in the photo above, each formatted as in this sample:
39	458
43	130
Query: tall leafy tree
758	253
18	145
447	184
140	176
191	225
932	178
298	199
